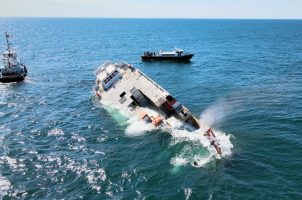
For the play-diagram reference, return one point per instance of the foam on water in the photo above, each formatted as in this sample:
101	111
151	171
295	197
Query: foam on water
197	147
5	185
29	80
138	127
188	193
193	152
9	161
55	132
87	169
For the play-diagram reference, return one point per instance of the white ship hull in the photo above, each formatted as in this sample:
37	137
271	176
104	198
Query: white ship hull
129	90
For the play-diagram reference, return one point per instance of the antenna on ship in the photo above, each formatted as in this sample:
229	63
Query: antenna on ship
7	36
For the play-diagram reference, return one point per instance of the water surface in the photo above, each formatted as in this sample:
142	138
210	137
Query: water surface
245	79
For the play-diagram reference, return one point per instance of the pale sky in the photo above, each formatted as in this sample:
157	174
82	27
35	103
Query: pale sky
255	9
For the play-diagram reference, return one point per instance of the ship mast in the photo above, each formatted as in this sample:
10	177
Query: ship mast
7	36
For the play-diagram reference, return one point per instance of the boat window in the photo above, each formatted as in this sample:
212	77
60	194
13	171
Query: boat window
107	80
110	77
114	73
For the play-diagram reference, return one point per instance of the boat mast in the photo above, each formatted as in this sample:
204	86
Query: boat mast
7	36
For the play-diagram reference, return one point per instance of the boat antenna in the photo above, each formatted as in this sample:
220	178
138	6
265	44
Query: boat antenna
7	36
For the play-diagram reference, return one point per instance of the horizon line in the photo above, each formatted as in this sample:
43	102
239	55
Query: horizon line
185	18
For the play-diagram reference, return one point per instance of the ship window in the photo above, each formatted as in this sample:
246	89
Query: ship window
123	94
114	73
110	77
107	79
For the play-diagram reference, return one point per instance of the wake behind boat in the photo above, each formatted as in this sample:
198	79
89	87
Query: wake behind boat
128	89
177	56
14	70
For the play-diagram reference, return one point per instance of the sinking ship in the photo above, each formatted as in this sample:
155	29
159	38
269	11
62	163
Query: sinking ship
127	88
14	70
177	55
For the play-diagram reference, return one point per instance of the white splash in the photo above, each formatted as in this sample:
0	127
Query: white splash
188	193
138	127
192	154
94	176
178	161
9	161
198	151
216	113
55	132
5	185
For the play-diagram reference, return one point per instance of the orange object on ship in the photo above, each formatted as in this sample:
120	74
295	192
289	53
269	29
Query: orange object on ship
157	121
142	114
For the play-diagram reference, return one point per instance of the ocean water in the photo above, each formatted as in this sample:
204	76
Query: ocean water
245	80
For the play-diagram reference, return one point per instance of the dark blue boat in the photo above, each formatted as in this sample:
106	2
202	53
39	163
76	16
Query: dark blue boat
14	70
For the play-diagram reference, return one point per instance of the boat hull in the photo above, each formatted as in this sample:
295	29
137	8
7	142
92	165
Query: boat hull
184	58
10	79
127	89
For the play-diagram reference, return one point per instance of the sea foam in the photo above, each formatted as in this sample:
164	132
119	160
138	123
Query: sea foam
55	132
199	151
5	185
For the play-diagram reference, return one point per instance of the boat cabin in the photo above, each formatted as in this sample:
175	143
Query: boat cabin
108	76
10	58
177	52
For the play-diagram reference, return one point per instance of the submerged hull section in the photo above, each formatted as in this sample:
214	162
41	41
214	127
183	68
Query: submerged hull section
184	58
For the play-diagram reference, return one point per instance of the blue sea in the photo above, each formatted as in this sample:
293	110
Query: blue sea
245	80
